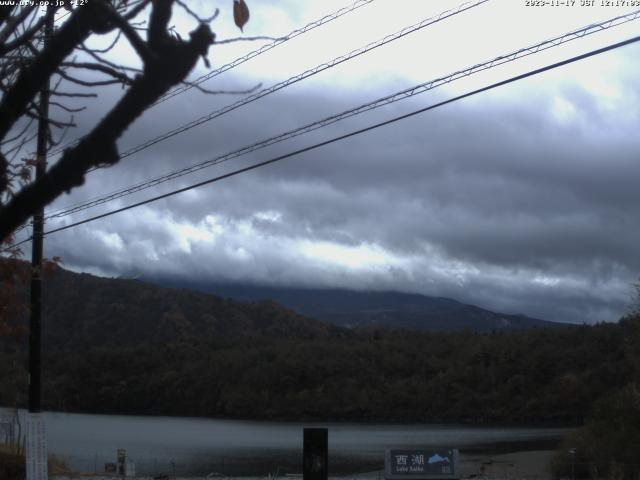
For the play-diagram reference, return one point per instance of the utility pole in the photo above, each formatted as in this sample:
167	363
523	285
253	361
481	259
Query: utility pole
572	452
35	321
36	454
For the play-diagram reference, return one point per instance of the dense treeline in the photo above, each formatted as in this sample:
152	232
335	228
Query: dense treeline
539	375
607	445
123	346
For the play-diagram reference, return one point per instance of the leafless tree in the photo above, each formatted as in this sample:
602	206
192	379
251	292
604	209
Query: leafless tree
29	59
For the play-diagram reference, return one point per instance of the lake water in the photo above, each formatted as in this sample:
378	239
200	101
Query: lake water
197	445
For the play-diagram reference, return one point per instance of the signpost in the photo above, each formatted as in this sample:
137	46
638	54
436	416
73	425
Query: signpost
36	448
315	464
121	457
423	464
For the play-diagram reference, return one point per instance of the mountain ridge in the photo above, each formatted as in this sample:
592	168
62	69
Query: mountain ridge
363	309
84	309
129	347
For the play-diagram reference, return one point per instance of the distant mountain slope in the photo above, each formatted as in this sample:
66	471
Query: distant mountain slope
83	309
349	308
126	346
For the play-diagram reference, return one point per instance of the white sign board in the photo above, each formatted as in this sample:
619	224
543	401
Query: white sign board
36	448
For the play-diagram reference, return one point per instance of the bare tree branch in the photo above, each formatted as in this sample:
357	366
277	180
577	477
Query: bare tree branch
86	83
223	92
170	62
12	23
73	94
5	12
135	40
19	134
130	15
118	77
106	49
26	36
31	79
4	171
33	113
67	109
166	61
104	61
245	39
186	8
158	24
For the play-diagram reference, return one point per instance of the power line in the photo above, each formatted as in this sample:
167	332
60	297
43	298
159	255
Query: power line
278	41
304	75
404	94
245	58
301	76
348	135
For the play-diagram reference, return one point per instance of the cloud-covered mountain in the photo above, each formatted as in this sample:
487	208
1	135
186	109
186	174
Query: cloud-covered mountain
395	310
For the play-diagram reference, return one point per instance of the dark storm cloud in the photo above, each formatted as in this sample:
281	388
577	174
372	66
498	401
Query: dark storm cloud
502	203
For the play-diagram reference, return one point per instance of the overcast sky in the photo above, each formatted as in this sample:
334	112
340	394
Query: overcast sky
521	200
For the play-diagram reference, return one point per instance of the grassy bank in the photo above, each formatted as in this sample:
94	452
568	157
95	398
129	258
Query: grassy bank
12	464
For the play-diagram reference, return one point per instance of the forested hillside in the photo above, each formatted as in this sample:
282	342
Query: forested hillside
129	347
536	376
85	310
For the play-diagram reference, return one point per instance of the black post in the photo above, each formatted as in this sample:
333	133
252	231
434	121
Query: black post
315	444
35	321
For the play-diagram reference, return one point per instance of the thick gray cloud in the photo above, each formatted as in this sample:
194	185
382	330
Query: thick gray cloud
524	203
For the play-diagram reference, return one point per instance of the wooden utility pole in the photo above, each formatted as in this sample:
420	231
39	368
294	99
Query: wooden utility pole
35	321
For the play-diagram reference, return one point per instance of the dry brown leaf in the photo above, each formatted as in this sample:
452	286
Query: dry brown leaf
240	13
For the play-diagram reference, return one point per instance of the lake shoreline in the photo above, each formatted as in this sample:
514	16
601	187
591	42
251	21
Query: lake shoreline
196	446
312	421
474	463
516	465
520	464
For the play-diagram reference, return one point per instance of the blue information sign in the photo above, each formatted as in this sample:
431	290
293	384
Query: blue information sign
427	463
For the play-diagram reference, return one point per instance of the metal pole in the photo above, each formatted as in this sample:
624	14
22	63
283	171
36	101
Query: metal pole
35	321
572	452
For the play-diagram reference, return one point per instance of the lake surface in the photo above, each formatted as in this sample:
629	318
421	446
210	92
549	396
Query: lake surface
200	446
